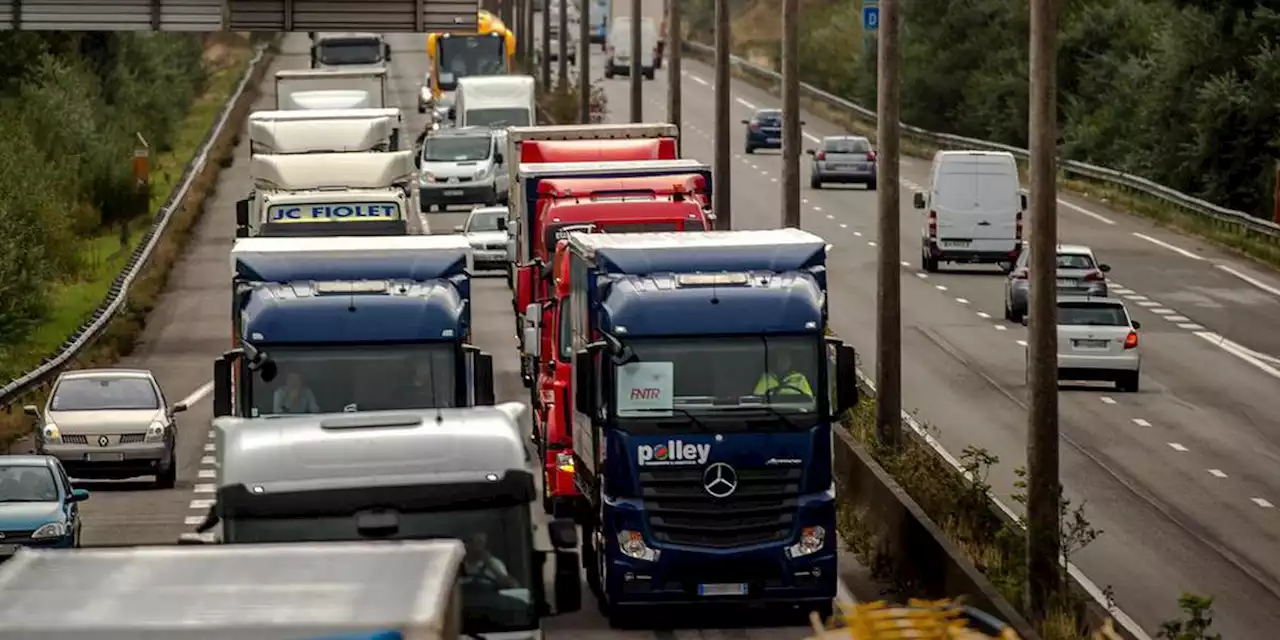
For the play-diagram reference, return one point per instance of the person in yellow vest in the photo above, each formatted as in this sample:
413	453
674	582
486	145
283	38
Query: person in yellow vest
782	379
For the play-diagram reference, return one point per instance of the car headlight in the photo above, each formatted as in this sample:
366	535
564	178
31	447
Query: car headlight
51	530
428	178
155	431
812	539
51	434
632	545
481	172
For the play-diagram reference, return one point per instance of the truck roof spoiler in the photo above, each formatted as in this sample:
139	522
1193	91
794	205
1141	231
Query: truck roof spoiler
296	172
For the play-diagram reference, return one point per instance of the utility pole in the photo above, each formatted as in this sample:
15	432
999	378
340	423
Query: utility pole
888	273
506	13
562	46
674	85
791	140
584	60
722	199
1044	572
545	54
637	90
527	29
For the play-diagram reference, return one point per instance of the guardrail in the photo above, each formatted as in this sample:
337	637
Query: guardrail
1187	203
119	291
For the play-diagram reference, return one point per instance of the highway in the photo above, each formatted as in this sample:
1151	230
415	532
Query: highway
1181	477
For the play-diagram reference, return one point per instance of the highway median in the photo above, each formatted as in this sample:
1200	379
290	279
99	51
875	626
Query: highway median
128	263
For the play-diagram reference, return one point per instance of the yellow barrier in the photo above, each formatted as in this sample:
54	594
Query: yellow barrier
917	620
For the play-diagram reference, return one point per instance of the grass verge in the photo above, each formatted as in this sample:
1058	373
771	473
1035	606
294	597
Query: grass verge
1260	247
73	302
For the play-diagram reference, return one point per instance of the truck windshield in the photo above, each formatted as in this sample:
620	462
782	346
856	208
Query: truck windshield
558	232
324	378
456	148
339	51
464	56
504	117
497	573
706	375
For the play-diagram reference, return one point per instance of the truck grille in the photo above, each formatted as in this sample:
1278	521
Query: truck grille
680	511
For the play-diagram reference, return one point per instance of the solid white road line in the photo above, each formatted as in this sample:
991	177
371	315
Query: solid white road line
1251	280
745	103
1166	245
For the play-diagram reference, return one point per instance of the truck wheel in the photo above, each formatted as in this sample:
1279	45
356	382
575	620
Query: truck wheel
1127	382
648	75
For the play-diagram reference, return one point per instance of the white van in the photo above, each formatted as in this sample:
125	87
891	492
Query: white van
975	208
618	48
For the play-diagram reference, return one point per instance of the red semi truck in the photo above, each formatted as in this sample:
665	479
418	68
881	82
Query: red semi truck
643	204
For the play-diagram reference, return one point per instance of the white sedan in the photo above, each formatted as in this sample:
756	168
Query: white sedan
1098	340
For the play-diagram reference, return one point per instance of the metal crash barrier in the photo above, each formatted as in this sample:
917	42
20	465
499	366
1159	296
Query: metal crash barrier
383	16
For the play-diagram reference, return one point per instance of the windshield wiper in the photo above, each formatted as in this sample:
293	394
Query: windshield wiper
765	407
692	419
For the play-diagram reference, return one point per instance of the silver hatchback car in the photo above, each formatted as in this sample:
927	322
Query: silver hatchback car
1078	273
847	159
109	424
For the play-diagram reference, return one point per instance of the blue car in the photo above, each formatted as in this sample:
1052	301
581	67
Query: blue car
764	130
38	507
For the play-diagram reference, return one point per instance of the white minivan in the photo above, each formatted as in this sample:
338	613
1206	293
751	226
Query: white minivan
618	48
975	208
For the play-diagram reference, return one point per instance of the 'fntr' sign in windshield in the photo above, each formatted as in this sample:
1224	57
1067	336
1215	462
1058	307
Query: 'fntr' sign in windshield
333	212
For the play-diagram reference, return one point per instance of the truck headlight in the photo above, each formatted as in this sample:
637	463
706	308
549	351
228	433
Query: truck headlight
51	530
632	544
812	539
51	434
155	432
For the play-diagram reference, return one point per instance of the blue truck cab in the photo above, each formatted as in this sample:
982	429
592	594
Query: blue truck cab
333	324
705	388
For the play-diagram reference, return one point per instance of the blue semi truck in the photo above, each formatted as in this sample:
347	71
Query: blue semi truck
332	324
705	389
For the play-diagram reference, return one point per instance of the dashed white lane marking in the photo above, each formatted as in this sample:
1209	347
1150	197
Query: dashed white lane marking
843	225
210	447
1121	291
1022	343
207	473
1177	447
1162	311
773	179
857	233
1217	473
204	488
1141	423
817	208
1136	298
207	460
1191	326
984	315
699	81
905	263
1251	280
745	103
812	138
1263	502
940	287
1166	245
201	504
871	243
922	275
1177	319
754	167
1148	303
1092	214
192	521
1000	327
830	217
962	301
1107	399
212	435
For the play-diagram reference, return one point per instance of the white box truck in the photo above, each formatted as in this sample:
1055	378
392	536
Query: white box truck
331	89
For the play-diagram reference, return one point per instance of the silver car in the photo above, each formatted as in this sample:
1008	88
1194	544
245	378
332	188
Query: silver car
845	159
109	424
1097	340
1078	273
486	231
461	167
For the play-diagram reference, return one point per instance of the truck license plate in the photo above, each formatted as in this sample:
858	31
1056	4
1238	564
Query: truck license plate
448	193
722	589
103	457
956	243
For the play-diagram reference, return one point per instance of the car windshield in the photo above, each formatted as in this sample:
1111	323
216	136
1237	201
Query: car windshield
354	51
486	221
1092	314
456	148
497	574
709	374
326	379
498	117
465	56
29	483
104	394
845	145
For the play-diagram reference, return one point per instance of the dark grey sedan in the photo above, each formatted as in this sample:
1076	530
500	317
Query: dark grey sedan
847	159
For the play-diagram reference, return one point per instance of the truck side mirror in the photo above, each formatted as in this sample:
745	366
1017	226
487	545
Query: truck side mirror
847	374
532	324
1022	197
222	401
31	410
584	382
483	369
918	200
242	213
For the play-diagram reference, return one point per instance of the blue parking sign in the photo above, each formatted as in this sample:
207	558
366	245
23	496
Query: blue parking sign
870	18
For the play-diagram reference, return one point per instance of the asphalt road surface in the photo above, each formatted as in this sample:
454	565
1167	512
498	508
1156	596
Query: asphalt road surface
1181	477
190	327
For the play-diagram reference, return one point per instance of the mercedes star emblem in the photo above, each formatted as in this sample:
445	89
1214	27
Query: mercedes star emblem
102	441
720	480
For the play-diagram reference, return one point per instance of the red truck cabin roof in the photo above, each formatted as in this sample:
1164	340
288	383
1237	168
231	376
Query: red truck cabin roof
618	216
547	151
690	183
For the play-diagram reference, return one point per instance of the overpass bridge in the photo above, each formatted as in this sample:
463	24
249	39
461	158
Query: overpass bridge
382	16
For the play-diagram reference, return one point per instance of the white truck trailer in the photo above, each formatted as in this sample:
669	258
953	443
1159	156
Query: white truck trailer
325	131
346	194
235	592
364	88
